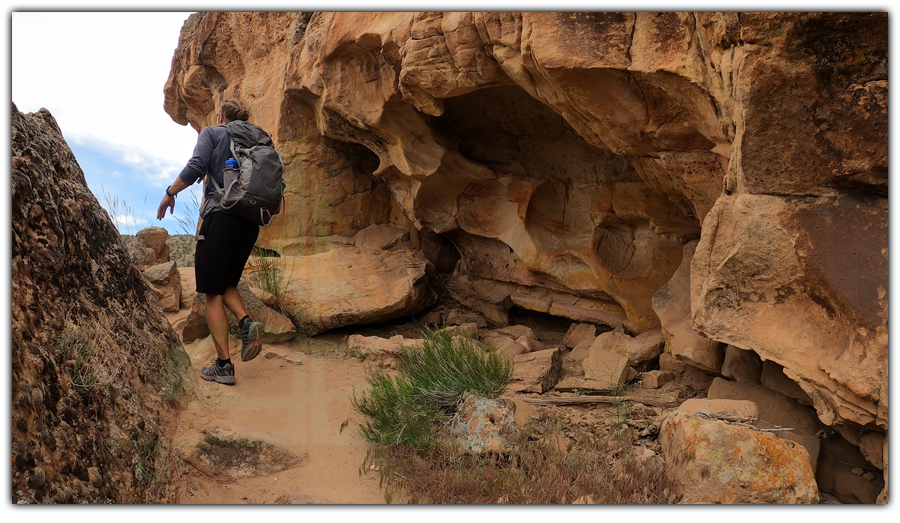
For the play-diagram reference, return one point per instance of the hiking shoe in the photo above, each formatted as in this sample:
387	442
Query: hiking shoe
251	340
223	375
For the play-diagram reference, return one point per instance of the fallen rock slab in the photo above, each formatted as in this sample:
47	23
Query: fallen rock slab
642	351
354	287
711	461
731	410
579	332
655	379
537	371
607	367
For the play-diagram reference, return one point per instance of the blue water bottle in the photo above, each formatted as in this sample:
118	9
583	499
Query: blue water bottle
231	174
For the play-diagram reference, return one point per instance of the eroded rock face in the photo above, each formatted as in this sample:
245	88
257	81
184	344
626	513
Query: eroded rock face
95	365
569	157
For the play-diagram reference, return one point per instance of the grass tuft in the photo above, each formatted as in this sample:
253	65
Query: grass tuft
432	380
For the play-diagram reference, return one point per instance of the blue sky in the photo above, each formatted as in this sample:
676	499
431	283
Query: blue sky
102	75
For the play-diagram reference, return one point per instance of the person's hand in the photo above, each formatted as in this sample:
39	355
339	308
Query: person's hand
167	202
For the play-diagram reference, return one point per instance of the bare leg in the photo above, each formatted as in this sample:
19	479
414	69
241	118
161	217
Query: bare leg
218	323
235	303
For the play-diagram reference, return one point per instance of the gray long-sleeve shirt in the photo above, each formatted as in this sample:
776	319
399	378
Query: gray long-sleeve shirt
212	149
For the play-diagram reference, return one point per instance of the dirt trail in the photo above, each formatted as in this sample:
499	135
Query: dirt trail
294	396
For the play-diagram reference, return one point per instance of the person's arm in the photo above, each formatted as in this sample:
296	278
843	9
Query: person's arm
193	171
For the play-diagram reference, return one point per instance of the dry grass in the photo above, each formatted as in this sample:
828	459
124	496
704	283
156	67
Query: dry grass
554	463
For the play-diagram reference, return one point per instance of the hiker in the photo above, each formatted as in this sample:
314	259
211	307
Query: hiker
224	244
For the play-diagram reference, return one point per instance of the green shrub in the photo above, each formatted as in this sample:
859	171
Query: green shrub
432	380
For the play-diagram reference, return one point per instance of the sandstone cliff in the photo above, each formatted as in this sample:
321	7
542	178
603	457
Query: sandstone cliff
96	368
570	157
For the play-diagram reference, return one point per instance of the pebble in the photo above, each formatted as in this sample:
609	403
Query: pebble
38	477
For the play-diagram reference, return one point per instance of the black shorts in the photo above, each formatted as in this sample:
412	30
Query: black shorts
221	256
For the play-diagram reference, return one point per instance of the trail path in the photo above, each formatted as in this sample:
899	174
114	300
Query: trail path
294	396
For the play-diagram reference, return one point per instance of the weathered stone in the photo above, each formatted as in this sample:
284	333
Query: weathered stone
165	281
466	330
267	298
731	409
818	305
742	365
536	371
655	379
711	461
485	426
155	240
581	351
669	363
73	285
641	351
504	345
354	287
872	446
672	302
577	383
579	332
382	237
773	377
605	366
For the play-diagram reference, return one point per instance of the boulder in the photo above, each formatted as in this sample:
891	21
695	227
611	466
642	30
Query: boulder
581	351
818	303
642	351
775	409
672	302
711	461
513	340
536	371
459	317
655	379
485	426
277	327
349	286
607	367
155	240
742	365
165	281
579	332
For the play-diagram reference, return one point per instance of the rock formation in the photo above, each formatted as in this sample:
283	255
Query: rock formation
96	368
570	157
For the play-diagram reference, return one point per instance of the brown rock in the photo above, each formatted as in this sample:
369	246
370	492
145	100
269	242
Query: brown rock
485	426
775	409
581	351
810	277
579	332
458	317
537	371
742	365
605	366
642	351
165	281
655	379
672	302
773	378
872	445
155	240
716	462
354	287
382	237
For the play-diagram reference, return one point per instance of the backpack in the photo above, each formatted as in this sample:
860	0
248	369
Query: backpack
257	193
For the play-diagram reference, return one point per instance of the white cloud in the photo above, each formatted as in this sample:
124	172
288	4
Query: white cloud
101	75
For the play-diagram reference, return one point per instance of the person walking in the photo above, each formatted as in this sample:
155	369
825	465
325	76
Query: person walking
224	244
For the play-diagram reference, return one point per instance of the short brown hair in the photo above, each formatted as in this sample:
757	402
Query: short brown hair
233	109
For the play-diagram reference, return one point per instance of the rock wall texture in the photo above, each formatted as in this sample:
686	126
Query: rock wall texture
570	157
96	367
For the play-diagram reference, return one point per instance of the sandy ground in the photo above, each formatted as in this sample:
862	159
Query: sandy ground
294	396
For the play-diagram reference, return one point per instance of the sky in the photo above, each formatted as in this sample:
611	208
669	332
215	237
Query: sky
101	75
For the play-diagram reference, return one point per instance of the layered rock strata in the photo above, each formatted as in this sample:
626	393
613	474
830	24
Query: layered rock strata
570	157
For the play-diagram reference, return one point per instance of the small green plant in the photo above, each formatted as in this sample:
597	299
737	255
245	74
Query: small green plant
433	378
268	275
188	220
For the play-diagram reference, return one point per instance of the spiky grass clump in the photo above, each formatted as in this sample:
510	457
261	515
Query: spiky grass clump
433	377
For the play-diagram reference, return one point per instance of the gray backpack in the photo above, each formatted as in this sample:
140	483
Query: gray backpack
257	193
